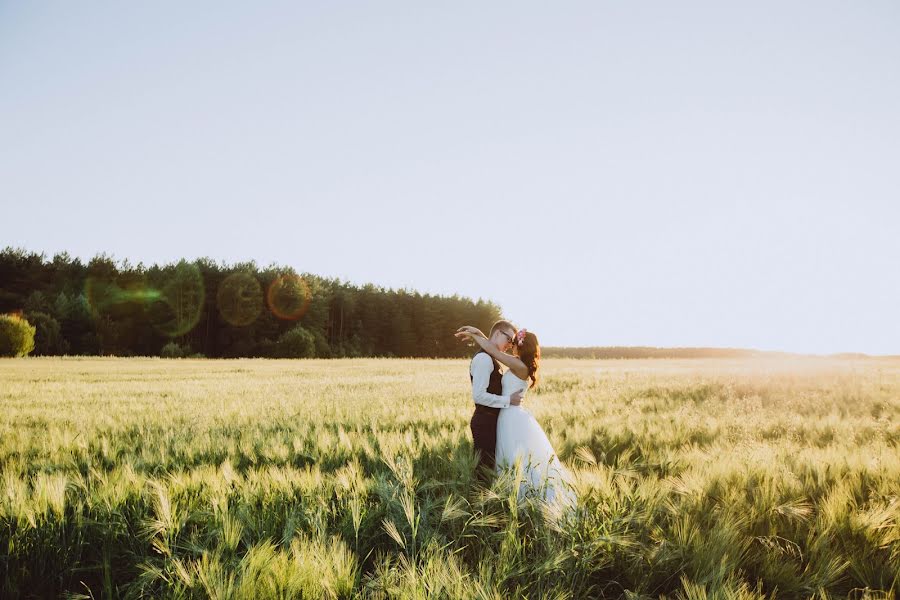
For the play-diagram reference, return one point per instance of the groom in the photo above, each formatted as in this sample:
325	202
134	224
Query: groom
487	394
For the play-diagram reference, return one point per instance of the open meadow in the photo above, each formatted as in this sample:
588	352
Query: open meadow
353	478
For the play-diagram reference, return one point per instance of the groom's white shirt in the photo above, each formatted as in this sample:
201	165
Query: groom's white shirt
481	368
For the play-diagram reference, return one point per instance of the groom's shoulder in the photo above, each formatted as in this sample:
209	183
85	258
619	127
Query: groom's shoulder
482	358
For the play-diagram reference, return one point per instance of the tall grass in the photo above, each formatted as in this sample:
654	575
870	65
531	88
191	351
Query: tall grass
312	479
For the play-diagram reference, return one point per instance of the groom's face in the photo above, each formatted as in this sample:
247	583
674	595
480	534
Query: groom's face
503	338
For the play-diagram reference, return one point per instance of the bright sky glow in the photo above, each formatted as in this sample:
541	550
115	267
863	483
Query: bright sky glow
611	173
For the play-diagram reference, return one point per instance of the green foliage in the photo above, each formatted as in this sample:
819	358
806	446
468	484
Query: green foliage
16	336
78	325
117	308
353	479
296	343
174	350
37	303
48	340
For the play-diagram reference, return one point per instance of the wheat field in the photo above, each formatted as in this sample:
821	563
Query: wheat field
132	478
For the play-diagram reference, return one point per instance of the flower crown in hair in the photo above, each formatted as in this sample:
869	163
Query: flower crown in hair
520	336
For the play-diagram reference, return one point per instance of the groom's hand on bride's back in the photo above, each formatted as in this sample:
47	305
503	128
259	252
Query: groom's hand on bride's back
515	399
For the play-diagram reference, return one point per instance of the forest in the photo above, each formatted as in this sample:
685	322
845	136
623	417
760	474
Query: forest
204	308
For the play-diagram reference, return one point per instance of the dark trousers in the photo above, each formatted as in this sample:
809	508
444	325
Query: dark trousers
484	436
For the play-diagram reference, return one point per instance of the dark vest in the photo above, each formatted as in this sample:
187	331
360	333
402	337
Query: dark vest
495	385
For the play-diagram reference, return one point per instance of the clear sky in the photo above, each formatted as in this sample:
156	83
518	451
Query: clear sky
611	173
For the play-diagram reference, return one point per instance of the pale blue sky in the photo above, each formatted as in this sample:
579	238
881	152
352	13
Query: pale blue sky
634	173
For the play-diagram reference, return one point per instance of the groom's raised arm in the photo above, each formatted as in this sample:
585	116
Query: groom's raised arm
481	369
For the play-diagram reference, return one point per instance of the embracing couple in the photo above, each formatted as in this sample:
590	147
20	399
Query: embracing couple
505	434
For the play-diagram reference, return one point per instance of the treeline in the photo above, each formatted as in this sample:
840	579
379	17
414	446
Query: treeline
652	352
105	307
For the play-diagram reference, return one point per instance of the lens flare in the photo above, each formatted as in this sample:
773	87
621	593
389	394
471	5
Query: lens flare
174	306
103	295
100	293
288	297
183	295
144	295
240	299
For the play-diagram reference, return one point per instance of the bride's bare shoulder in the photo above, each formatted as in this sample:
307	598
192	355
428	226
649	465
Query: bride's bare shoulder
518	376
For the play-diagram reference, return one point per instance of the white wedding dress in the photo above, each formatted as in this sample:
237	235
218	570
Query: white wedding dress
521	439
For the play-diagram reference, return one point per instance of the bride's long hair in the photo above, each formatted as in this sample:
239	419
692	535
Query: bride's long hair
529	352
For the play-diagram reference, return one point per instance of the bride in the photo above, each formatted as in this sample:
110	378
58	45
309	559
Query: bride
521	442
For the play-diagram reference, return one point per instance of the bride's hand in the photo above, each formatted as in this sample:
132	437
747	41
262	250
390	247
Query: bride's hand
468	329
470	334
